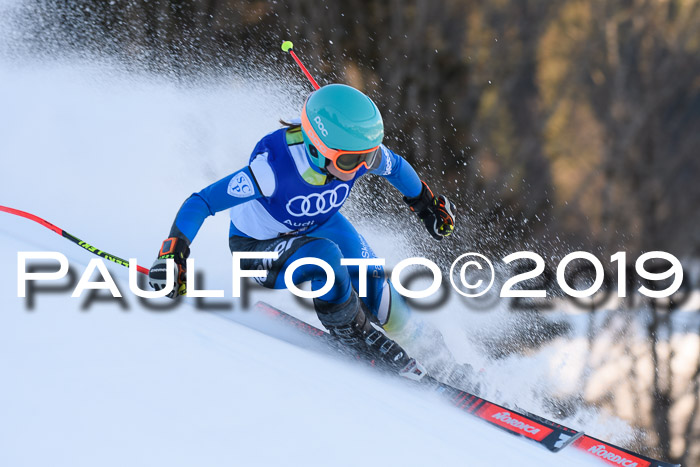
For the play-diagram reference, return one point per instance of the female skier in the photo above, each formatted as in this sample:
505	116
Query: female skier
287	200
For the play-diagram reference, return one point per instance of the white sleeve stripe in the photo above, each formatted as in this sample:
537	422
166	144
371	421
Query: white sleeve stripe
263	174
253	220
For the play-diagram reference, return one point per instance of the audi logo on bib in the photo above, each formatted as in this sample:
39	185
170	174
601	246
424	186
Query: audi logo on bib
318	203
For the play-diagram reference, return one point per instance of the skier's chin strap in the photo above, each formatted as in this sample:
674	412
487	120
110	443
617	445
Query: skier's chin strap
329	176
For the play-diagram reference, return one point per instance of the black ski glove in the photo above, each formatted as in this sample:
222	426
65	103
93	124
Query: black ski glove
177	249
436	212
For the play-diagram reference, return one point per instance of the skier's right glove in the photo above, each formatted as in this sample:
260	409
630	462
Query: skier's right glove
177	249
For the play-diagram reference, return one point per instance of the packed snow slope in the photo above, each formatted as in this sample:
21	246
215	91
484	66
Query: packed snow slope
109	157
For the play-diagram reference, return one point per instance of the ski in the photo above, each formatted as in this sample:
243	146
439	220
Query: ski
542	431
548	434
615	455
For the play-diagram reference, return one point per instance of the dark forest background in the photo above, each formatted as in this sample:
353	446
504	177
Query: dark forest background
566	120
551	123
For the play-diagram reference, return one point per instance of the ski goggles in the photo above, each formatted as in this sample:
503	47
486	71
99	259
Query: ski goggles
345	161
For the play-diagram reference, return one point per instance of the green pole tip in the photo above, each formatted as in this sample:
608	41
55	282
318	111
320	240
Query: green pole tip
287	46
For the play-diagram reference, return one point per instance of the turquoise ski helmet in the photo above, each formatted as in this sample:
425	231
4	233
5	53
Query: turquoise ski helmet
343	118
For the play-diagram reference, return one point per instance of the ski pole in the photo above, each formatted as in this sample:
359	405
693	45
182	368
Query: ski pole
287	46
76	240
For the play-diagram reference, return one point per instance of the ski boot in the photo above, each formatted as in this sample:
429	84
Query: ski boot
423	340
350	325
426	342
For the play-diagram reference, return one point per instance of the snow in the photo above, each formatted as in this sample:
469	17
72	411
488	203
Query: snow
109	156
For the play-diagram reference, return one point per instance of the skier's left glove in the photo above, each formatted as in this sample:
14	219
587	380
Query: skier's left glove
177	249
436	212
